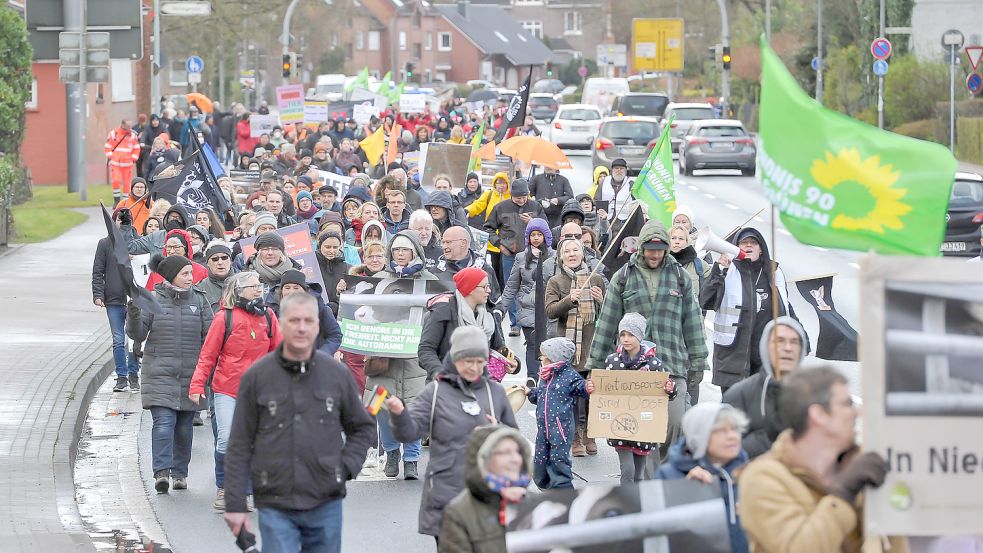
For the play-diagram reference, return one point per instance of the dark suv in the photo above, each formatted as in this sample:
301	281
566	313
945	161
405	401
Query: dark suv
646	104
965	215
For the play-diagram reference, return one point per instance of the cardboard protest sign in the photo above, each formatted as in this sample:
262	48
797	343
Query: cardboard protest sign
384	316
290	101
580	520
297	239
315	111
412	103
446	159
922	324
340	182
629	405
362	113
411	160
360	94
262	124
479	239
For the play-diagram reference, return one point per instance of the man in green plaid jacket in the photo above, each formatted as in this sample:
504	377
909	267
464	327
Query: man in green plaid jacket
654	284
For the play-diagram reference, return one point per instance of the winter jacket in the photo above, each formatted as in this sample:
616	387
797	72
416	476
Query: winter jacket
299	433
435	339
506	229
593	221
139	210
698	269
555	399
547	187
122	147
471	522
681	461
572	210
521	285
451	426
328	338
466	199
332	271
482	207
443	200
787	507
445	269
225	361
173	340
757	395
246	143
213	287
646	361
198	272
392	227
432	252
674	319
153	243
559	306
107	283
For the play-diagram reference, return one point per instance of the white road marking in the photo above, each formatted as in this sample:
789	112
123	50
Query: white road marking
710	196
821	249
785	232
759	218
731	206
691	187
854	265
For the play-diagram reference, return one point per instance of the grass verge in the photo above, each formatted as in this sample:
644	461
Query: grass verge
48	214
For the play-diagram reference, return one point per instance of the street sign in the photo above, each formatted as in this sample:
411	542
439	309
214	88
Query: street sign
194	78
612	54
974	83
974	53
186	8
953	39
122	19
817	64
83	51
657	44
194	64
880	68
247	78
880	48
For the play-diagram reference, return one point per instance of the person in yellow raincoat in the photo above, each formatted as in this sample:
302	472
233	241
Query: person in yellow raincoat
599	173
499	192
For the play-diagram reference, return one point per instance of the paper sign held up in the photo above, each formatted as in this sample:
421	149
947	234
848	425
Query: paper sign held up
629	405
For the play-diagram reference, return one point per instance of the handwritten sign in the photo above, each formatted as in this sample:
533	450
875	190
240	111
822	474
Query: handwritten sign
362	113
262	124
412	103
315	111
629	405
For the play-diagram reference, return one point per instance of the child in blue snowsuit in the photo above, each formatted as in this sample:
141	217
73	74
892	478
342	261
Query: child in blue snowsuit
555	399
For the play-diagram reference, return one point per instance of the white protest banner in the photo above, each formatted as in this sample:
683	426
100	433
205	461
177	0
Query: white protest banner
290	101
381	103
315	111
629	405
434	104
340	182
362	113
922	386
412	103
262	124
360	94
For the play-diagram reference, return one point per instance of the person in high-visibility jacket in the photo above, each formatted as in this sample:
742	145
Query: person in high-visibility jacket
122	150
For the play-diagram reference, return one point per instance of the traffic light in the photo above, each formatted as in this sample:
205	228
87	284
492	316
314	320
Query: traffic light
725	57
288	66
549	70
409	71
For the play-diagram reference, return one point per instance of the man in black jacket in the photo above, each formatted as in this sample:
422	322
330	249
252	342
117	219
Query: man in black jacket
552	191
109	292
300	431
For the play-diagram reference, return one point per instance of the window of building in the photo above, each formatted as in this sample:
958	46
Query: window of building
428	43
32	102
417	50
535	28
373	40
402	40
573	24
444	42
359	40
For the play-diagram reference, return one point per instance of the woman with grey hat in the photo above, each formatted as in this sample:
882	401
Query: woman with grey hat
270	260
460	399
174	337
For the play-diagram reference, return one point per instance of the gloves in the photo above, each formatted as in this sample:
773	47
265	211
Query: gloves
868	469
545	203
125	217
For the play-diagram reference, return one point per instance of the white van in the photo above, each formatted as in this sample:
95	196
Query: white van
601	92
330	87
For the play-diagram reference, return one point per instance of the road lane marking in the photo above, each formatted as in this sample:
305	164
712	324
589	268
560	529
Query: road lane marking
731	206
691	187
710	196
821	249
854	265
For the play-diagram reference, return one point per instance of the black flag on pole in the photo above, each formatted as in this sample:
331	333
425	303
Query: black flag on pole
142	297
837	339
189	182
515	114
624	243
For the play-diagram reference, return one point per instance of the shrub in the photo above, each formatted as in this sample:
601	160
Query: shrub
911	89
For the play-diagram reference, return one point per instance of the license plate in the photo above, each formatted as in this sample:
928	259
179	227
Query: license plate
953	247
579	129
721	145
632	150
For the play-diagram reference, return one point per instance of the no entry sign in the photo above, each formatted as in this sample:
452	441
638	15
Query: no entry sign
880	48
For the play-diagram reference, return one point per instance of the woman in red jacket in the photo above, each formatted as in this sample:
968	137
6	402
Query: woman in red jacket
246	143
245	331
176	242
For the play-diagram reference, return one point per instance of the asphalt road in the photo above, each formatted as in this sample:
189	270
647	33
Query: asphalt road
381	514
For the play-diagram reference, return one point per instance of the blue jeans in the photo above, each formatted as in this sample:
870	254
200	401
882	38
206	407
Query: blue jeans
222	407
125	361
316	530
507	262
171	440
411	450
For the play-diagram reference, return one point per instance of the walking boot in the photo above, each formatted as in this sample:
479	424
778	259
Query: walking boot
180	483
162	481
591	446
392	463
120	384
197	420
409	471
578	444
134	380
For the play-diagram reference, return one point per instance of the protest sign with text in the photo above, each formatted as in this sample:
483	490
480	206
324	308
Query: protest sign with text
290	101
629	405
315	111
412	103
298	246
340	182
262	124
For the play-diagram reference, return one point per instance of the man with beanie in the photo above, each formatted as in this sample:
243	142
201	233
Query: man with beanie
328	338
506	224
270	260
218	260
739	292
559	387
782	349
552	191
804	494
653	284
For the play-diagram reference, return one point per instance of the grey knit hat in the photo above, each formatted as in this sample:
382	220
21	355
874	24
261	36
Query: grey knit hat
468	341
698	425
264	218
559	349
635	324
269	238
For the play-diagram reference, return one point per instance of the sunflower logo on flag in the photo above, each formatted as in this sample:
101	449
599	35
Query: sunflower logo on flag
864	188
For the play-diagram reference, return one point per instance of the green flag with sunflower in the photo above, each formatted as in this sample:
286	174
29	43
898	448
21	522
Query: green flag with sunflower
656	182
841	183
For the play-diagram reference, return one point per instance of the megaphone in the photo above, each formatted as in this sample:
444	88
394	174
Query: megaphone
709	241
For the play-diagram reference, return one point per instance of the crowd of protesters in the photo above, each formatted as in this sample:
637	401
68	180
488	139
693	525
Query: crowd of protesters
254	341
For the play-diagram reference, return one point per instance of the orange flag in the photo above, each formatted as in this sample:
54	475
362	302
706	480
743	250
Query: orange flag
393	138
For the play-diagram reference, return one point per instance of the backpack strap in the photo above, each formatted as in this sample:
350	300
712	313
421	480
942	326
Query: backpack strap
698	265
269	324
228	326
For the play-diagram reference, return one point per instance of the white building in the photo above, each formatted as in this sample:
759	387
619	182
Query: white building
931	18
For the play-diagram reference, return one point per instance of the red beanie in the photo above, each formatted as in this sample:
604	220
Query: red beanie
468	278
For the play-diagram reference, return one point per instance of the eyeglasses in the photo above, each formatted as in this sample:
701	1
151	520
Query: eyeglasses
484	287
268	248
575	236
219	258
172	248
250	286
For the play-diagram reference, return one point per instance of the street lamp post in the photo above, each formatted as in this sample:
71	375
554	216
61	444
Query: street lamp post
880	79
725	73
819	52
285	34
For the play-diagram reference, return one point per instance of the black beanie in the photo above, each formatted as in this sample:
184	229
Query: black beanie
218	247
170	266
269	238
293	276
474	176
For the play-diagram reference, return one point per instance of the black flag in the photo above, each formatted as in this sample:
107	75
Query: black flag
515	114
121	262
188	182
837	339
624	243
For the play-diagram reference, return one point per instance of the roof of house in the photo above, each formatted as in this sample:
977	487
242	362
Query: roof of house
495	32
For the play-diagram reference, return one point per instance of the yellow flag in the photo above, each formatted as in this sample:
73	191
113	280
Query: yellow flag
374	145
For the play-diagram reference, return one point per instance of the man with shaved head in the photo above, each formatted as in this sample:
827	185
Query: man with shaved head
456	244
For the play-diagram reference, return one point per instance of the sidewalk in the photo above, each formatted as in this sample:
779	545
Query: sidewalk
54	352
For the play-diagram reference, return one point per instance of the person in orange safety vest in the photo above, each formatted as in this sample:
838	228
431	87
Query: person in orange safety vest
122	150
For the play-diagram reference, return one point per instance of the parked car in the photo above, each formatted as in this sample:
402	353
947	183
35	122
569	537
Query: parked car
602	91
685	115
649	104
542	106
631	138
574	125
717	144
965	215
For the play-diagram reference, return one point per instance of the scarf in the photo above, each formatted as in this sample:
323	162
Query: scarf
407	271
357	224
309	214
272	275
480	317
498	483
584	312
